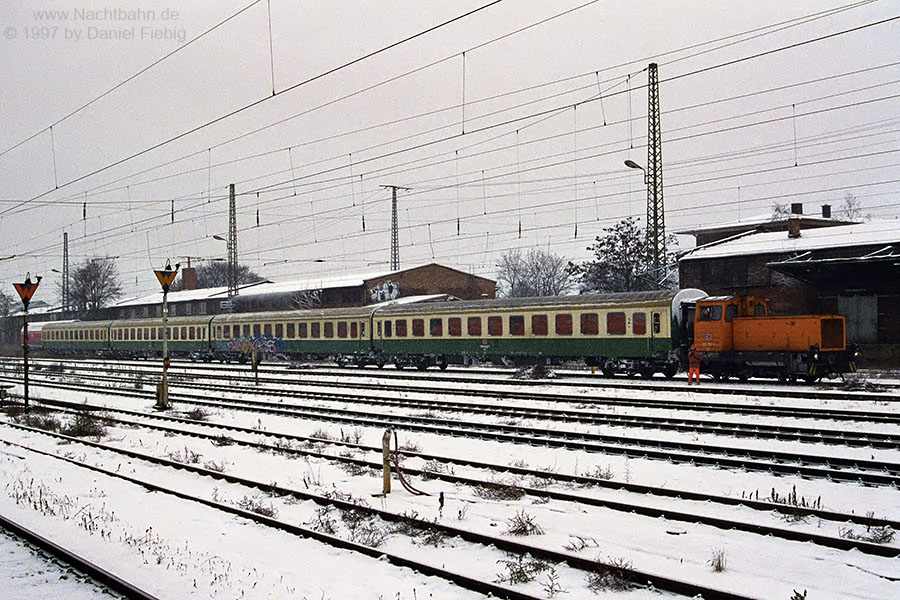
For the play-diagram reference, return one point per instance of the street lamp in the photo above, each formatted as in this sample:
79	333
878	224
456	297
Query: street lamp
165	276
633	165
26	290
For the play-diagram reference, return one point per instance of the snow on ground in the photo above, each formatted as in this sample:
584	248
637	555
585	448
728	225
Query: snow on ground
183	549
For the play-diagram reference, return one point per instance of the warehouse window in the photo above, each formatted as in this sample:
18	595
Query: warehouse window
639	323
473	326
564	324
436	327
495	325
342	329
388	328
329	329
418	327
517	325
590	324
314	330
615	323
400	327
454	326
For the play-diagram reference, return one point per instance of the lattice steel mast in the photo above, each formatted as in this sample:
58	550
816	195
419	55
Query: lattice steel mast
395	233
656	227
232	244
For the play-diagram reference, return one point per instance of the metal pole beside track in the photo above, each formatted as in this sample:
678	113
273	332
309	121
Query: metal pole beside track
166	277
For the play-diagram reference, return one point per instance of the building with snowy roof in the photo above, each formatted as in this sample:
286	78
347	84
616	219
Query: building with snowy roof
853	270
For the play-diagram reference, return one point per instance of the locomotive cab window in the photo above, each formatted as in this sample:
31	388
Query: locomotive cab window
730	312
711	313
538	324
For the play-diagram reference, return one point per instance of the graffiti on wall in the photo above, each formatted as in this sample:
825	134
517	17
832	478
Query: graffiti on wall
387	290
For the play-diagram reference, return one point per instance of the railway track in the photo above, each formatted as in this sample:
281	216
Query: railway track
659	582
136	418
870	472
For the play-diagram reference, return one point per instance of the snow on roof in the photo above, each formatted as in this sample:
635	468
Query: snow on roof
761	220
860	234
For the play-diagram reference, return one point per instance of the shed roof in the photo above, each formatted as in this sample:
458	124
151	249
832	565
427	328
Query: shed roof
844	236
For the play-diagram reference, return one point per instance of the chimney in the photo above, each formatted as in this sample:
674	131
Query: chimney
189	278
796	208
826	211
793	226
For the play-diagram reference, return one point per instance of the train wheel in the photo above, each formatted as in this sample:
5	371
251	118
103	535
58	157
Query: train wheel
646	373
669	372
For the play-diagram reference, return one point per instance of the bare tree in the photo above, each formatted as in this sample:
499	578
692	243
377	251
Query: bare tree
307	299
94	285
850	209
537	273
779	211
621	261
215	274
7	304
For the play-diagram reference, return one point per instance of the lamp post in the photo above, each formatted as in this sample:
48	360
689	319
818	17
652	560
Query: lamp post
26	291
165	276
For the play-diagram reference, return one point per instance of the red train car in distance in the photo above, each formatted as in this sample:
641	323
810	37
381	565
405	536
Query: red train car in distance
739	338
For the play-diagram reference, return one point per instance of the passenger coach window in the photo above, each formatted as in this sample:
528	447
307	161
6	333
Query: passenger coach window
257	330
473	326
418	327
590	324
639	323
615	323
517	325
342	329
538	324
301	330
657	324
314	330
354	328
267	329
246	330
329	329
400	327
436	327
495	325
291	330
388	328
454	326
563	324
279	330
192	333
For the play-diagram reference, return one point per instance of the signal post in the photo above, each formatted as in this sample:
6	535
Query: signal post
26	291
165	276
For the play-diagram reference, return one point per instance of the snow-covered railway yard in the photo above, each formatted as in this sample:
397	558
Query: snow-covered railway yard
177	547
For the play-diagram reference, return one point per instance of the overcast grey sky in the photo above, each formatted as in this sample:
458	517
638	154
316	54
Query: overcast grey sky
505	142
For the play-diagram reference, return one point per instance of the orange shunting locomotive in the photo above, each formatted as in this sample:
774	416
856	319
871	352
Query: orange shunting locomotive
739	338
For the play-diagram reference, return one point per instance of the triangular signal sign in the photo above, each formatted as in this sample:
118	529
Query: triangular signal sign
166	277
26	290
